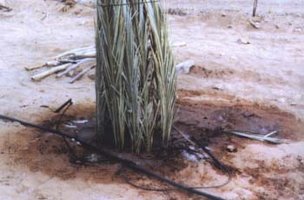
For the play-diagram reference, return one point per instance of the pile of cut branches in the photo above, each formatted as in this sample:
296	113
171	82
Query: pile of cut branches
68	64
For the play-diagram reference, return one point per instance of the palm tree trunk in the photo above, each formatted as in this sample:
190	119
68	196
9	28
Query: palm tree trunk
135	74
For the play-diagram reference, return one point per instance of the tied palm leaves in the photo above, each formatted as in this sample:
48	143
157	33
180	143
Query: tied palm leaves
135	74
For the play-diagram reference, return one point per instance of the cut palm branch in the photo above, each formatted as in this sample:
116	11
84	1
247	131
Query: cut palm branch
79	52
47	64
78	76
49	72
264	138
135	73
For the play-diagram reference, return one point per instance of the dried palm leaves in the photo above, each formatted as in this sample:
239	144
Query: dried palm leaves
135	73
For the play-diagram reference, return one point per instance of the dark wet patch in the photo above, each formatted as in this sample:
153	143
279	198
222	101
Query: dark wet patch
47	153
205	118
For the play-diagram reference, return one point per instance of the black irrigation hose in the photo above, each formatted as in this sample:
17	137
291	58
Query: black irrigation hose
127	180
131	165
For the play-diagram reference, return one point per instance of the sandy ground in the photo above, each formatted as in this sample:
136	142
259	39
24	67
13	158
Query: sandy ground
256	86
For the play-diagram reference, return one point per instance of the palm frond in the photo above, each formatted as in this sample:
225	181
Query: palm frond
135	73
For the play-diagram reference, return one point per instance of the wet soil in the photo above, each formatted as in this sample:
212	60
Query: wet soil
203	121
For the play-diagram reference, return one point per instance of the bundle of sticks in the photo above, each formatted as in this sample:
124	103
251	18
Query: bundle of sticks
74	63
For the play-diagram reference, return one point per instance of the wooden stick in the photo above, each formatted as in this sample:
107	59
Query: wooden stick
40	76
255	5
30	68
5	8
78	51
81	74
47	64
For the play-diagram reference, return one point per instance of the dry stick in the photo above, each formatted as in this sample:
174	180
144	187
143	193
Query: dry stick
42	75
83	56
7	9
82	73
262	138
76	52
30	68
68	103
75	66
128	163
47	64
255	5
64	108
184	136
58	110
